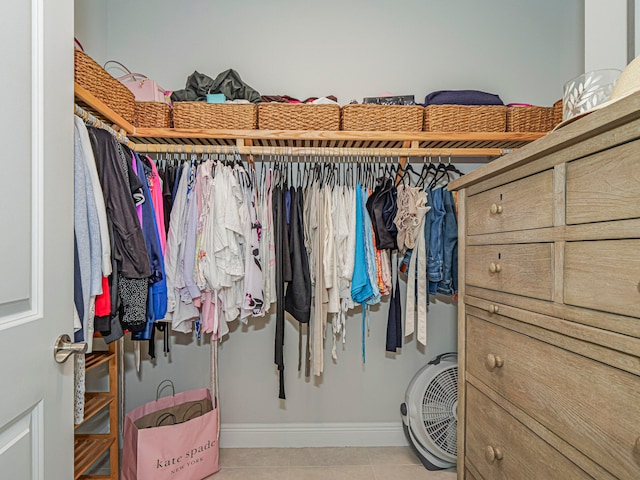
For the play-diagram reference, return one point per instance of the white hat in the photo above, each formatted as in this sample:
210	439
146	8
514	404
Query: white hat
628	83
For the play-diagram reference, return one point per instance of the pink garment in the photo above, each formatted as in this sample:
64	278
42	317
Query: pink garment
158	204
208	312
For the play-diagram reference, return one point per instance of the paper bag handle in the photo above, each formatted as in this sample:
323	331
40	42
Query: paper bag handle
165	384
166	416
197	414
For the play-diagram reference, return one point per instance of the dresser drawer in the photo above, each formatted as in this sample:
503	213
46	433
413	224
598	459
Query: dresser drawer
520	205
593	407
604	186
603	275
468	475
500	447
522	269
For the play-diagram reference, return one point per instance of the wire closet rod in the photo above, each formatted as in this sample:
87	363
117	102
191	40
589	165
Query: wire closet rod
354	153
96	122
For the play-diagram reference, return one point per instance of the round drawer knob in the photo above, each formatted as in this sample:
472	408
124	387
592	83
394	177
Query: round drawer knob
493	308
495	209
495	267
493	361
491	454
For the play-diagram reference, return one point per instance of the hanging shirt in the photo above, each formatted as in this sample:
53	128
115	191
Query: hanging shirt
181	314
298	296
253	299
320	293
86	152
86	226
129	243
370	252
330	258
155	188
361	288
417	267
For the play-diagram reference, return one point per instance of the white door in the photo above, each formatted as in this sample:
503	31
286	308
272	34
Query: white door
36	238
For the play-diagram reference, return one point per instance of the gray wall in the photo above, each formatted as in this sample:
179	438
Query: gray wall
90	27
522	50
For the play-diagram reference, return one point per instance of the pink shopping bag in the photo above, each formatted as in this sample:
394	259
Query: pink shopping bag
185	450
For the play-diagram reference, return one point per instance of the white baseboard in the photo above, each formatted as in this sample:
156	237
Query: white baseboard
260	435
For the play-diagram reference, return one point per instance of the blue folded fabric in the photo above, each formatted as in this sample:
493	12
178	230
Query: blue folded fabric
462	97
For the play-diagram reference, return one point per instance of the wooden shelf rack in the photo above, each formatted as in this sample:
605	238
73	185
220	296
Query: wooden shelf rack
88	448
307	143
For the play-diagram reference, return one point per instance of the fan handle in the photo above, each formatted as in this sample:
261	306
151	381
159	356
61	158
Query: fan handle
436	361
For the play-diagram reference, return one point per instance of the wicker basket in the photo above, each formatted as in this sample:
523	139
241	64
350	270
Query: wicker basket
218	116
557	112
90	75
395	118
465	118
529	119
152	115
287	116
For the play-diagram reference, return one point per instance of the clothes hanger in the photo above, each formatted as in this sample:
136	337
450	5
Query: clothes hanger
406	171
429	168
450	167
439	174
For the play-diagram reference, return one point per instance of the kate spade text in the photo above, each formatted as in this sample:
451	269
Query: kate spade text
189	458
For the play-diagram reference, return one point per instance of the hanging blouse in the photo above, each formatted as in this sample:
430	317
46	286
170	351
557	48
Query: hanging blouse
298	296
253	302
417	267
180	313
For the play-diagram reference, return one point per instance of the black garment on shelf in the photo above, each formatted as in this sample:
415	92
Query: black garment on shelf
462	97
228	82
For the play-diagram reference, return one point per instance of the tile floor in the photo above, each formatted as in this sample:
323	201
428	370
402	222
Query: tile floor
346	463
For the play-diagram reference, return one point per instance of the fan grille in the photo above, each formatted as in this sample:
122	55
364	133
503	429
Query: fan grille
438	410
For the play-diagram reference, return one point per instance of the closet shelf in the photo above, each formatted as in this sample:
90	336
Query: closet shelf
88	449
94	402
303	142
94	359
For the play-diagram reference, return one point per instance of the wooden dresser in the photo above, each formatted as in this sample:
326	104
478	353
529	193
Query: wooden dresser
549	311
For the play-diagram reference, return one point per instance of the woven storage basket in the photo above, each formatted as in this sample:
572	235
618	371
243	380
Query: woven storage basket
396	118
529	119
557	112
152	115
465	118
90	75
219	116
287	116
